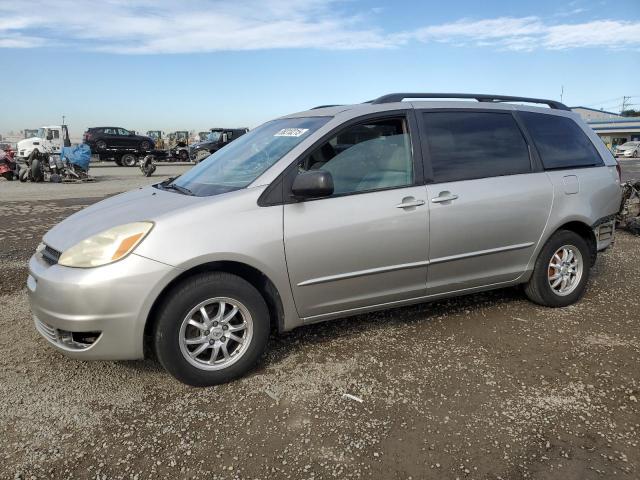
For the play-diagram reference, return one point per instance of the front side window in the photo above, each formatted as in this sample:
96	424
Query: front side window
369	156
468	145
123	132
561	143
110	131
242	161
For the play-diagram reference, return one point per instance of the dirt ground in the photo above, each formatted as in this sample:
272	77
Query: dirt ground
482	386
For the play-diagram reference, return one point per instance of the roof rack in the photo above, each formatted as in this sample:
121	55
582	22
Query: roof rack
398	97
325	106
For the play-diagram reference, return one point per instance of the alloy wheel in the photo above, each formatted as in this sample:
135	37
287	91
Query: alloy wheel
565	270
216	333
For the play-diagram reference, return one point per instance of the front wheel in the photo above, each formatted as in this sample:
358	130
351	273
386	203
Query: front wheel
561	271
145	146
212	328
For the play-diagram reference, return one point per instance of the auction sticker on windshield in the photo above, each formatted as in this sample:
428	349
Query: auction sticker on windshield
291	132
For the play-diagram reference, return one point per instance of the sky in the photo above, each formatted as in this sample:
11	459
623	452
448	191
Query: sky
196	64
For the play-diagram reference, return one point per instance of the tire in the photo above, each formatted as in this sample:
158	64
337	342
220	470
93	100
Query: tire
184	155
37	170
23	176
172	328
8	176
129	160
101	144
635	154
539	288
118	161
145	146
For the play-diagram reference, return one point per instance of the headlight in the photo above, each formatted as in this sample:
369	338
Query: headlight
106	247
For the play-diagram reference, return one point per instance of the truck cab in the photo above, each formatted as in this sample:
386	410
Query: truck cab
49	139
214	141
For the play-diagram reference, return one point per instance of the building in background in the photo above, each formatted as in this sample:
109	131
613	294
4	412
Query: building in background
612	128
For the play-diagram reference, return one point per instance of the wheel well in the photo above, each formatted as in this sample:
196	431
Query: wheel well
586	232
252	275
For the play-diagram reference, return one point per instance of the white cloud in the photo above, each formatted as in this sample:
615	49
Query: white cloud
169	26
531	33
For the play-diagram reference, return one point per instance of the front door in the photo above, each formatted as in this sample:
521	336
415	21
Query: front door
488	205
367	244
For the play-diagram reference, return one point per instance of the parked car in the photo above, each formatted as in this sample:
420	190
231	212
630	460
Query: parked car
324	214
214	141
102	138
629	149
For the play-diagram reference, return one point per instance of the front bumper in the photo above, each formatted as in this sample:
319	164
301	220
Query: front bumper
96	313
624	153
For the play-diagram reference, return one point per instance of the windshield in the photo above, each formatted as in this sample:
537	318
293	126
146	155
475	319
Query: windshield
41	133
213	136
242	161
630	144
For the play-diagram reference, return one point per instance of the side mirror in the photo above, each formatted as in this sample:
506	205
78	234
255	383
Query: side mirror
313	184
225	138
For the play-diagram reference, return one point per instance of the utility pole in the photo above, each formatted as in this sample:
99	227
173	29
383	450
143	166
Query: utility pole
62	119
561	92
624	103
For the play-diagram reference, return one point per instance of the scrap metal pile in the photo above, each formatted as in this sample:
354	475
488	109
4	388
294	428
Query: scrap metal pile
72	165
629	215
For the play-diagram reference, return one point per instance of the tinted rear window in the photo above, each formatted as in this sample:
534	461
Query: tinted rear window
467	145
561	143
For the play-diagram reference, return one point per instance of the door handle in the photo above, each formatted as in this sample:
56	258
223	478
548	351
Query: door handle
409	203
444	197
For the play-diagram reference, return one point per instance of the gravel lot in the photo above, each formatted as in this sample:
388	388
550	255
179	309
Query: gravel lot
483	386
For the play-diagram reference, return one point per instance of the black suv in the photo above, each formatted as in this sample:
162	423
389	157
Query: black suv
102	138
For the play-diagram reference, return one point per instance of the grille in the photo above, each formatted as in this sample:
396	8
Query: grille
65	339
47	331
50	255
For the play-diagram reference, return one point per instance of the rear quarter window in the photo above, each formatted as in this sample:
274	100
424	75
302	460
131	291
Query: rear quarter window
560	142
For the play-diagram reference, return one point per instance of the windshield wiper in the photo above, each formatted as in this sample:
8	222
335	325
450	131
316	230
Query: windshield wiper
178	188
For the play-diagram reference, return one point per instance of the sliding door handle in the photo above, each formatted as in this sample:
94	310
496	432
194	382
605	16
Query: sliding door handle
444	197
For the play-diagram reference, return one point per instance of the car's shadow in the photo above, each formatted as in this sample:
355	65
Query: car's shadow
285	344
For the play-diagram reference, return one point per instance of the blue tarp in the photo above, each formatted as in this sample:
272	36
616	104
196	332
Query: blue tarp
79	155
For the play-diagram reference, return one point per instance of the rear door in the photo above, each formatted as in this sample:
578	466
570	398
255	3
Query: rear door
367	244
110	137
489	201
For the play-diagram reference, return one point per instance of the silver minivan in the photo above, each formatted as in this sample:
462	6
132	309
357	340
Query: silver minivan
328	213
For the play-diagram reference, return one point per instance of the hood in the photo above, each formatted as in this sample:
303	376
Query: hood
27	142
629	147
144	204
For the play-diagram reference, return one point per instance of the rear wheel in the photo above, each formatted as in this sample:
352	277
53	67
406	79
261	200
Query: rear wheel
211	329
101	144
23	176
145	146
129	160
561	271
184	155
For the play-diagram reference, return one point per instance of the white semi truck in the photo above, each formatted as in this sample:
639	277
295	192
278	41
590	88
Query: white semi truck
49	139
